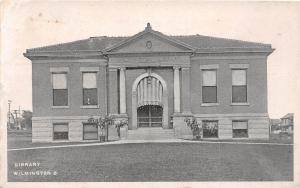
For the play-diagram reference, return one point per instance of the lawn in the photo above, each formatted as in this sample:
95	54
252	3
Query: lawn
158	162
23	140
14	142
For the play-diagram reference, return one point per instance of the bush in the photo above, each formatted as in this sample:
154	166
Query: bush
121	123
194	126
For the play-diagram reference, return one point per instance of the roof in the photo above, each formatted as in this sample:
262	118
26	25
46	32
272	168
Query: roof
288	116
275	121
195	42
102	42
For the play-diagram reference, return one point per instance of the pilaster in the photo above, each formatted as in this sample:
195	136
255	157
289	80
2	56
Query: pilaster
113	91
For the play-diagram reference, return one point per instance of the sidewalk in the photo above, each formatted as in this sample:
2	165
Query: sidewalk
147	141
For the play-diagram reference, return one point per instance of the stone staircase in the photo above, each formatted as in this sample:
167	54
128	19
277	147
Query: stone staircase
153	133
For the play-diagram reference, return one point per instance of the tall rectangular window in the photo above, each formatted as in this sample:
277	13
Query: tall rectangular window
89	83
209	86
60	89
239	86
239	129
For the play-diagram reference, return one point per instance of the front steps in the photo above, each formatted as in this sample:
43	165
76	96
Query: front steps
153	133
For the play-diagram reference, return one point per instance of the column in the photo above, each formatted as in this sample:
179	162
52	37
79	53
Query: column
176	90
113	90
186	90
122	91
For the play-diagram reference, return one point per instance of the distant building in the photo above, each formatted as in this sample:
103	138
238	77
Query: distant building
153	80
287	123
275	126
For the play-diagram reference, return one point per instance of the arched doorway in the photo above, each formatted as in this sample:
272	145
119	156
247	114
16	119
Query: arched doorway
149	101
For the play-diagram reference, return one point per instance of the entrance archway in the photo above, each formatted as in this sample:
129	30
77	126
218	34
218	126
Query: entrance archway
149	89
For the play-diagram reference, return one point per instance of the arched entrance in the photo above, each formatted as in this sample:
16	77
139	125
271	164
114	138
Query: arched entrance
149	101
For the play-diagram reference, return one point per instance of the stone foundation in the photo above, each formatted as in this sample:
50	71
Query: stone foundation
258	125
42	129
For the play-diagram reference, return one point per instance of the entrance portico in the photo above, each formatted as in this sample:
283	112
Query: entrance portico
150	89
149	80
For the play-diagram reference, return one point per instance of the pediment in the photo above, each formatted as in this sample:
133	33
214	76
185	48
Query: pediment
149	41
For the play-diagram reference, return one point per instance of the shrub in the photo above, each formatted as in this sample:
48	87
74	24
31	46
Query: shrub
194	126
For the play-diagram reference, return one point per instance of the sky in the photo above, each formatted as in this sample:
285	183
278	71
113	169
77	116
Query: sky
28	24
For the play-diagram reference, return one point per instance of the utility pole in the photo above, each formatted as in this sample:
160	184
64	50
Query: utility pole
19	120
9	102
16	118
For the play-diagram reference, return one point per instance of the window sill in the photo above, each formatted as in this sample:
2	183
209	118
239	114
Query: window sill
60	107
89	106
61	140
240	104
210	104
240	138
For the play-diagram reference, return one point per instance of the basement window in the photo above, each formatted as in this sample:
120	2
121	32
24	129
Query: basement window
210	129
240	129
60	131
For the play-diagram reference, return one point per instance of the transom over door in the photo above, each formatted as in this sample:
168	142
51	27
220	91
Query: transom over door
149	92
150	116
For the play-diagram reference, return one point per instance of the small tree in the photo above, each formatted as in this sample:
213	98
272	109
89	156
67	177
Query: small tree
103	124
194	126
26	121
121	123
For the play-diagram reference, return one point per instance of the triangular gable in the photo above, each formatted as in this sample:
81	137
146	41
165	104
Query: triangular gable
149	41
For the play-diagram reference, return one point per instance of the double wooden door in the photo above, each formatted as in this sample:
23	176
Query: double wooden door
150	116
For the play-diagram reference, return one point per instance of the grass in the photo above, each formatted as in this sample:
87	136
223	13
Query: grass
24	141
19	139
159	162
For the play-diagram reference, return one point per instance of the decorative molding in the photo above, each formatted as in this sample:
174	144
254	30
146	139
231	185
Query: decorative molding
176	67
148	30
59	107
239	66
89	69
155	64
51	118
113	69
262	115
89	106
212	66
210	104
185	68
240	104
101	62
59	69
195	58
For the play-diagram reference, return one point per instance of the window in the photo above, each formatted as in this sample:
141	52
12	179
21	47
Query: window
210	129
209	87
90	131
239	129
89	82
239	86
60	89
60	131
